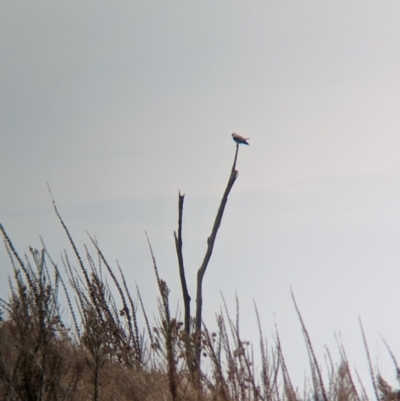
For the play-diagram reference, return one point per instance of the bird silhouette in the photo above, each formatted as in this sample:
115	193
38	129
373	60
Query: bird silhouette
240	139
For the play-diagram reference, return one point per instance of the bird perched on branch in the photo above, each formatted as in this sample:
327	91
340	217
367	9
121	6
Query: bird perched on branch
240	139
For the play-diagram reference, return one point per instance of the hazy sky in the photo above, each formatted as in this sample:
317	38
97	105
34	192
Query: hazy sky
120	104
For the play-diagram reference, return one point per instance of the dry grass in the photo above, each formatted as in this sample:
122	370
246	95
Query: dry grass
105	355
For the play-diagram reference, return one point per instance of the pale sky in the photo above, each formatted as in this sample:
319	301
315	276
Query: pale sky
120	104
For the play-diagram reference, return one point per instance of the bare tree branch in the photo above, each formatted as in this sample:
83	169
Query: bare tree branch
210	246
178	245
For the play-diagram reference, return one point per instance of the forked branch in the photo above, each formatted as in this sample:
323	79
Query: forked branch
200	274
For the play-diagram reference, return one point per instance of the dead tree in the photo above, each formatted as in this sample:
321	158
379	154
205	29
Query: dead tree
200	274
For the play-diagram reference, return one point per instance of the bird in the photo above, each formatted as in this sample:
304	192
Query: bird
240	139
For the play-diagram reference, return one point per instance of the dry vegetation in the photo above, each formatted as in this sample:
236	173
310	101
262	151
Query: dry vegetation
105	353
